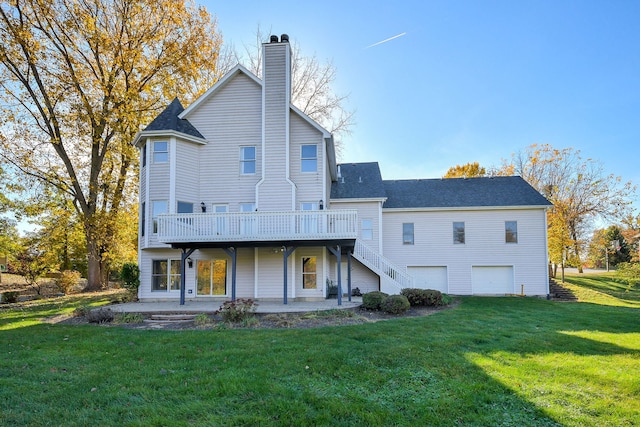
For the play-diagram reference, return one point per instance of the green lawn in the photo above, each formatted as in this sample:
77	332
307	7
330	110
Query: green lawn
487	362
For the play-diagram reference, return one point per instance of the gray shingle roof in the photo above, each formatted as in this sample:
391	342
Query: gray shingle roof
168	120
364	181
358	181
462	192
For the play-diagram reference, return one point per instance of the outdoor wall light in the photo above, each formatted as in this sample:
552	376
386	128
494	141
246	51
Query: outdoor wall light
321	204
203	207
190	262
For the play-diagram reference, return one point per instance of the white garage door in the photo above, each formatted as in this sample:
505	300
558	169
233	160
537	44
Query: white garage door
430	278
494	280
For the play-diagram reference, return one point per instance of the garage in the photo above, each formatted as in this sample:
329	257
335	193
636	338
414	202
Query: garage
430	277
492	280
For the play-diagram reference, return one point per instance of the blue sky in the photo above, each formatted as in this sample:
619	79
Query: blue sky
470	80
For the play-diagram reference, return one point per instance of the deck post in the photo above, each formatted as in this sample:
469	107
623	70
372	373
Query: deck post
285	256
183	270
349	274
337	252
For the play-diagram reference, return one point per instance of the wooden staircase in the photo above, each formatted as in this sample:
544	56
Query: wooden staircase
393	278
558	292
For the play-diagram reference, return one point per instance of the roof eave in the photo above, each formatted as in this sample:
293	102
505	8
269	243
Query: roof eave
140	136
466	208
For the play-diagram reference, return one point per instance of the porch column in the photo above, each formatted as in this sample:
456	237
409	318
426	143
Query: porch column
349	275
231	251
285	256
337	253
183	269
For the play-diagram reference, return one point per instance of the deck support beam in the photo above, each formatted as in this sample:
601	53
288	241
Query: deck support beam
186	253
338	254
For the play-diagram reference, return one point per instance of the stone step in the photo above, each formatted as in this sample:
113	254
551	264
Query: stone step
172	317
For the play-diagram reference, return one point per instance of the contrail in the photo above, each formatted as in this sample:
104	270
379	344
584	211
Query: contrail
386	40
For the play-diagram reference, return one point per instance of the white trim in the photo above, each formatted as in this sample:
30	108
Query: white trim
220	83
166	133
325	133
172	175
293	274
360	200
256	264
466	208
287	124
380	245
147	199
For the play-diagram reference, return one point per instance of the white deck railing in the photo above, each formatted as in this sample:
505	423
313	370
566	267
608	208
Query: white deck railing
258	226
392	277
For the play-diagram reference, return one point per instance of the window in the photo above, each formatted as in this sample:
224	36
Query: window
157	207
248	224
366	229
407	233
165	275
160	152
143	153
185	207
458	232
247	160
309	276
221	223
511	231
309	158
309	221
211	277
143	218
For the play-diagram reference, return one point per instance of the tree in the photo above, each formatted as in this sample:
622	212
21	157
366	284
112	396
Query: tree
79	78
468	170
579	190
31	263
311	86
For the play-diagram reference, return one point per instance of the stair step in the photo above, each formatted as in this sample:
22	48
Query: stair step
172	317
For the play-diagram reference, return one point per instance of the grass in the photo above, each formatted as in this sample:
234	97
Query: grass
487	362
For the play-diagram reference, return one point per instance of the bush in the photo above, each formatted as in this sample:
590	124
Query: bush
128	318
238	310
202	319
395	304
67	280
100	315
423	297
130	275
10	297
373	300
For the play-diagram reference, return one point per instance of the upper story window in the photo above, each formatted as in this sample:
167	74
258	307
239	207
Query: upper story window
309	158
248	160
458	232
366	230
143	153
157	207
185	207
407	233
160	152
511	231
247	207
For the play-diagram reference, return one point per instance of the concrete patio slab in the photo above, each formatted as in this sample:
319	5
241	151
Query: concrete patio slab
212	306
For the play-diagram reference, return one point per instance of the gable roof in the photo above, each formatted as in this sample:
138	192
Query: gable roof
358	181
501	191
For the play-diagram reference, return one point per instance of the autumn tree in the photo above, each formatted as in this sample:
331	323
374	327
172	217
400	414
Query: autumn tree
469	170
580	191
78	80
311	85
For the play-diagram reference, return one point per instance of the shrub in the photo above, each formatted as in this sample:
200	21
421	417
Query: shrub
130	275
202	319
67	280
10	297
395	304
446	299
128	318
81	311
373	300
422	297
238	310
100	315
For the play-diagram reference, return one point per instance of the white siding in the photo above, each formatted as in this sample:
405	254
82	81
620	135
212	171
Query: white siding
229	119
485	245
187	176
361	277
309	185
270	274
366	210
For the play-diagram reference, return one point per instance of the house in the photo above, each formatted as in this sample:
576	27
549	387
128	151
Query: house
241	196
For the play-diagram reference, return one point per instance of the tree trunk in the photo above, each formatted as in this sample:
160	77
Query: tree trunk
94	274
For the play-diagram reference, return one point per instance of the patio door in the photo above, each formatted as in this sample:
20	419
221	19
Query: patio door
211	277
